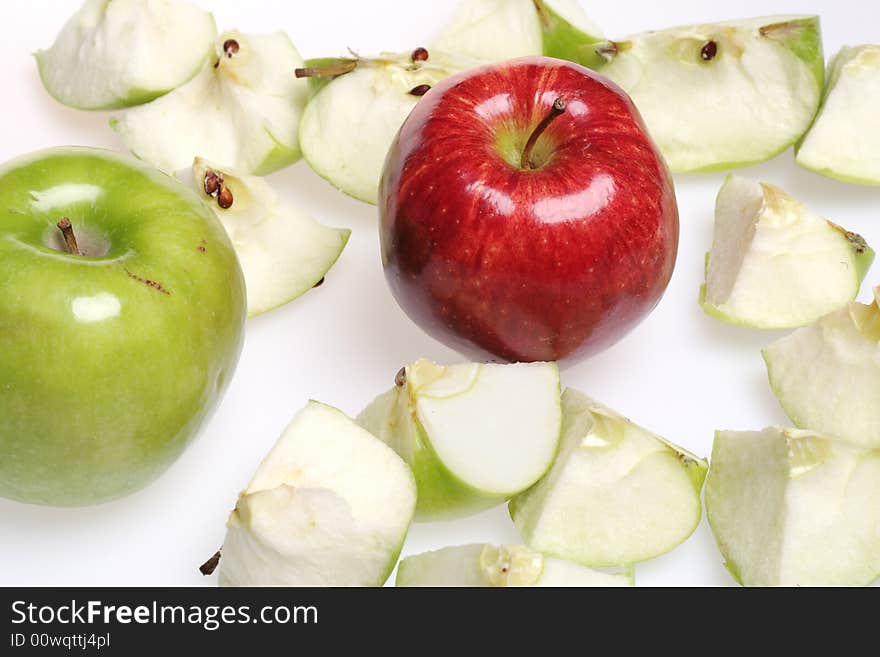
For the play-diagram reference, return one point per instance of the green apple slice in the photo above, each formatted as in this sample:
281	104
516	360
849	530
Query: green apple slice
722	95
502	566
494	30
616	493
349	125
118	53
795	508
283	252
826	375
774	264
329	506
844	142
242	110
474	434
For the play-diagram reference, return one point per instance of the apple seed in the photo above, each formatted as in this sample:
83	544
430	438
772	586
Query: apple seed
708	52
420	54
400	377
224	198
213	183
420	90
210	565
230	47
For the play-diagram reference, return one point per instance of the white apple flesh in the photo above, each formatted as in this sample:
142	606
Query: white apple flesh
474	434
119	53
775	264
722	95
349	125
241	111
827	375
283	252
502	566
844	141
495	30
795	508
616	493
329	506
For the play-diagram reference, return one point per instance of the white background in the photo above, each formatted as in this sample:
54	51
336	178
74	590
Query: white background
679	373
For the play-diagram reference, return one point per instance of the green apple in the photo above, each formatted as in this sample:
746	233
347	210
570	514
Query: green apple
113	357
826	375
350	123
494	30
329	506
474	434
616	494
795	508
283	252
844	142
504	566
118	53
775	264
241	111
722	95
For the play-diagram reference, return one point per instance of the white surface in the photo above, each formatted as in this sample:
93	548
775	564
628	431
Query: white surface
680	373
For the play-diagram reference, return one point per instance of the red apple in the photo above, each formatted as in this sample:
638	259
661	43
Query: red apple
554	255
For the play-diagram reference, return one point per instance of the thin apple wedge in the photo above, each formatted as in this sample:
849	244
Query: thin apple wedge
117	54
474	434
722	95
350	123
494	30
283	252
826	376
241	111
501	566
616	493
844	142
329	506
775	264
795	508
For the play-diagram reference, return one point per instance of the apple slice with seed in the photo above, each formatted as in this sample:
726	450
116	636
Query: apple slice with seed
494	30
722	95
350	123
616	493
283	252
330	505
117	54
501	566
241	111
795	508
826	375
474	434
844	142
775	264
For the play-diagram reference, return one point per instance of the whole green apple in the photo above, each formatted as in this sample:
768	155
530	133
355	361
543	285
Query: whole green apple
118	334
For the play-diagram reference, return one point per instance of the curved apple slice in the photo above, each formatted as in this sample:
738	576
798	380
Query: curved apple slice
774	264
329	506
474	434
616	493
826	375
349	125
494	30
241	111
283	252
501	566
126	52
722	95
844	142
794	508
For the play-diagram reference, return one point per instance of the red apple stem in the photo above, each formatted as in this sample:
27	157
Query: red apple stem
67	230
329	71
557	109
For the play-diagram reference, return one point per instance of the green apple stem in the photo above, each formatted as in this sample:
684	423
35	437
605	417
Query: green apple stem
210	565
69	237
557	109
329	71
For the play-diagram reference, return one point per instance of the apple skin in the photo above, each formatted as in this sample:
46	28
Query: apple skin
110	363
557	262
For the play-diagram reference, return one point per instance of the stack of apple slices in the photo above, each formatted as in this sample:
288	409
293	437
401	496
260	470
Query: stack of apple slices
774	264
